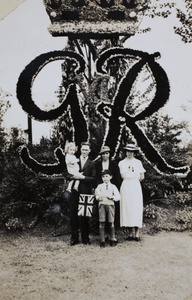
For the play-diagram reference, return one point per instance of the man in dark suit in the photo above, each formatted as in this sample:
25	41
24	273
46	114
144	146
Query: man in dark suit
87	182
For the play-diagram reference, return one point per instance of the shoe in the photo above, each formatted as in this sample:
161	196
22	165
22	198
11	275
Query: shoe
86	242
113	243
106	239
74	242
137	239
130	238
102	245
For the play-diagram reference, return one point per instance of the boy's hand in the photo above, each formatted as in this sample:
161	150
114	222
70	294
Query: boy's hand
102	198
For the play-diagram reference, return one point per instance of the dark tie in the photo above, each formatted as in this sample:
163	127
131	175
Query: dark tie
106	186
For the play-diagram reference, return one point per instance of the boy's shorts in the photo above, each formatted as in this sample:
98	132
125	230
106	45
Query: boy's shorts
106	213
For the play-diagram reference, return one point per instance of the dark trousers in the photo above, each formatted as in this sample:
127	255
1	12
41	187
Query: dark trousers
84	221
74	220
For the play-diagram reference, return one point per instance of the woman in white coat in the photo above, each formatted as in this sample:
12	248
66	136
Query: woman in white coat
131	203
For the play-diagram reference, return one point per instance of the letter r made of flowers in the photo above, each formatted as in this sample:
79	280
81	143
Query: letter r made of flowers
115	111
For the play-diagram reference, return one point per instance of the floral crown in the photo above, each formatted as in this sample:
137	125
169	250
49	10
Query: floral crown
94	17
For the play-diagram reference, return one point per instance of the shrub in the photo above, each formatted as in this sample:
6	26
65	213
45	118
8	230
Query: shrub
182	197
184	217
150	211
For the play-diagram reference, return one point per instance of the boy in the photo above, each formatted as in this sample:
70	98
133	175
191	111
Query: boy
106	193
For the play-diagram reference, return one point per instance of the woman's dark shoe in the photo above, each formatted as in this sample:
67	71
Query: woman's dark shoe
130	238
86	242
106	239
74	242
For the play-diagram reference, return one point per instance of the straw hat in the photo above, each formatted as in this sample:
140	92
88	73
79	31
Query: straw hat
104	149
130	147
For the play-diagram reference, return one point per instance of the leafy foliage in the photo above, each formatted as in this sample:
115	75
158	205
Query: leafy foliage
159	9
184	217
185	17
167	138
4	105
165	8
171	213
24	196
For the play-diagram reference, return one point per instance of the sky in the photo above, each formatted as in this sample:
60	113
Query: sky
24	36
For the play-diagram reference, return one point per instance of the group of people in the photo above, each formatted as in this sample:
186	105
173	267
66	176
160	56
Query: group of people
110	182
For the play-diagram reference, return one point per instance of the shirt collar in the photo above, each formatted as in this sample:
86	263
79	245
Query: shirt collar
84	159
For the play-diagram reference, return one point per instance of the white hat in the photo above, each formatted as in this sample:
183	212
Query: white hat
130	147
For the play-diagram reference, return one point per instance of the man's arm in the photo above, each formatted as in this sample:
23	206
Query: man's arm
91	177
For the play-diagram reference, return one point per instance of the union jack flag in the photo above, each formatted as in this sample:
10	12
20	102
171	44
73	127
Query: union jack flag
85	207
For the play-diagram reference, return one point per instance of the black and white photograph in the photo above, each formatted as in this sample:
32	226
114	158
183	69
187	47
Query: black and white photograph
96	149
